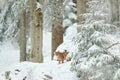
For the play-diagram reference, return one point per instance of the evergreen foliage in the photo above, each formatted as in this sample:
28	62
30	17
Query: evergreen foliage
69	16
93	61
10	20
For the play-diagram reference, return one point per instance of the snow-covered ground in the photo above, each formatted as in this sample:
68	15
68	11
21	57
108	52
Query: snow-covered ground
35	71
49	70
8	55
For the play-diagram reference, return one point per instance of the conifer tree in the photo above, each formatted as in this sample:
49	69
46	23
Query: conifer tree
69	14
10	20
93	61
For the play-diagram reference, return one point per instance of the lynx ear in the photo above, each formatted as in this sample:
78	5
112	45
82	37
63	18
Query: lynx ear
65	50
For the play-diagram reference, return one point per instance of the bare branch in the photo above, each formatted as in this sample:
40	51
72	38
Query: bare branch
113	45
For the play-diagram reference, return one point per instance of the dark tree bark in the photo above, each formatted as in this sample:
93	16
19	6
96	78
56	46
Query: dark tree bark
23	36
57	29
81	9
36	34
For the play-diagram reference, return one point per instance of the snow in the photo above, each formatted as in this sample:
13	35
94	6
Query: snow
71	32
115	50
72	16
36	71
47	45
67	8
68	43
71	3
39	6
8	55
49	70
67	22
11	68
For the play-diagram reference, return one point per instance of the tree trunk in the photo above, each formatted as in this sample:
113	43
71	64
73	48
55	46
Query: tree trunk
39	36
57	29
36	33
119	11
32	30
23	36
114	11
81	9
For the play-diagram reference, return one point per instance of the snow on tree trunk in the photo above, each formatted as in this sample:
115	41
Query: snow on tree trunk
57	29
23	36
36	33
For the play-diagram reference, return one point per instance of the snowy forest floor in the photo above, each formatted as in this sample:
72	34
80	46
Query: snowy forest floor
49	70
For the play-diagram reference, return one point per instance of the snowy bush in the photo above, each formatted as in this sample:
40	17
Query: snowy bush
94	61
